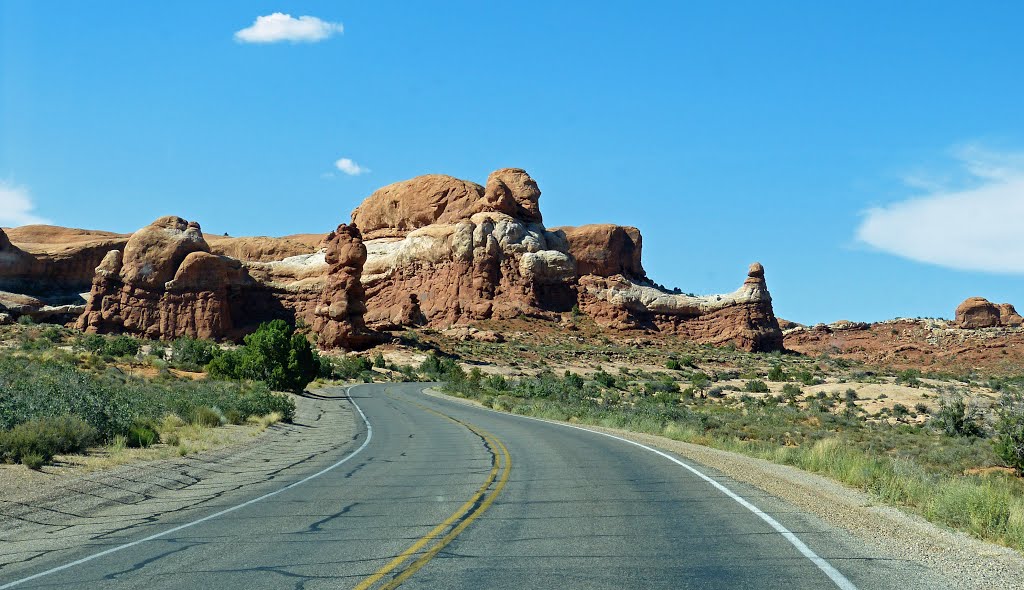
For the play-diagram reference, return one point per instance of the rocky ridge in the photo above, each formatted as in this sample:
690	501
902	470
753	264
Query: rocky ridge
430	251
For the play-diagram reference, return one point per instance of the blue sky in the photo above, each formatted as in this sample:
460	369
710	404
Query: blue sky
869	155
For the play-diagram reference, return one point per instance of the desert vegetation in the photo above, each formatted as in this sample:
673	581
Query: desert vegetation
62	392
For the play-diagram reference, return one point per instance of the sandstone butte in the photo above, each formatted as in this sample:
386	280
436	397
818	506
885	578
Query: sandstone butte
433	250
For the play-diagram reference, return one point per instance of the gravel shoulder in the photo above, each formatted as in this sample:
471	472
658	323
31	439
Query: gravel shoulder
964	560
46	514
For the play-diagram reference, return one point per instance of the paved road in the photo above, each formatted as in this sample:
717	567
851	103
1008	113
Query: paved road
438	494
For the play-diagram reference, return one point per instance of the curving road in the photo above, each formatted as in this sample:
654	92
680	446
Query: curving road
437	494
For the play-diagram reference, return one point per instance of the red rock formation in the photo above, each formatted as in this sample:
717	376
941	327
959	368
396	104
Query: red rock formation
464	252
1008	316
606	250
44	260
264	249
338	318
166	284
977	312
743	318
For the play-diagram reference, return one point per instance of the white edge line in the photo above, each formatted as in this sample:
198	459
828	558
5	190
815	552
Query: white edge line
369	435
827	568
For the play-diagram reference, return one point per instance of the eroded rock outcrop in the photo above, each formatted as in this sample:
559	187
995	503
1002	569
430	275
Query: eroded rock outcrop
338	320
978	312
44	269
606	250
165	284
446	250
744	317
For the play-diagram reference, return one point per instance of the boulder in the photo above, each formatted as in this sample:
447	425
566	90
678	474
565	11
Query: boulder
977	312
399	208
1008	316
606	250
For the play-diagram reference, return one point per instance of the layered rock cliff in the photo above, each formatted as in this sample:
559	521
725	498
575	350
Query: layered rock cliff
447	251
614	289
443	250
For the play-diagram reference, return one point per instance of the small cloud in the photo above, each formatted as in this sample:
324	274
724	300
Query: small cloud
349	167
975	228
16	206
278	27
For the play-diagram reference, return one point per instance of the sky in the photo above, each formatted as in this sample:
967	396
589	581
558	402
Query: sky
869	154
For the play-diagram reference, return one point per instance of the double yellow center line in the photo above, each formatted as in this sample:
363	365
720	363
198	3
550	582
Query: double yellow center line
443	534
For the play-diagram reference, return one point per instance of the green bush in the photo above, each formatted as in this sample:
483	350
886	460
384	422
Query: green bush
274	354
756	386
1009	431
143	434
673	365
46	437
379	361
112	403
777	374
207	416
910	378
192	354
956	418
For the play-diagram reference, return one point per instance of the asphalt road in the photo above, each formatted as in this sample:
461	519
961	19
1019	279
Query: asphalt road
438	494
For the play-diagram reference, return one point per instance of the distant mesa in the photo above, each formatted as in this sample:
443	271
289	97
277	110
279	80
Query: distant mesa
429	251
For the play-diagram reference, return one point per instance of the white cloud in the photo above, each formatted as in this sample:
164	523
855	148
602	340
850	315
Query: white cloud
278	27
349	167
975	228
16	206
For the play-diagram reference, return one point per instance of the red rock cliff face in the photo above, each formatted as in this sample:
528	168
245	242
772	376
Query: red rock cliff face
614	290
45	259
443	250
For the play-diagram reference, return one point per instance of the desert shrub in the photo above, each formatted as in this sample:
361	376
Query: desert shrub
807	378
274	354
756	386
379	361
604	379
777	373
207	416
957	418
40	439
910	378
1009	431
192	354
346	367
142	434
122	346
673	365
